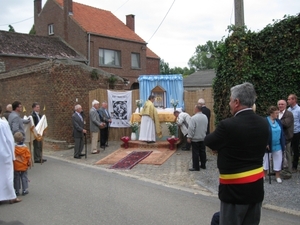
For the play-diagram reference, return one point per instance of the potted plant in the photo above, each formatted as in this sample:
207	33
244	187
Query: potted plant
174	103
134	128
172	127
111	81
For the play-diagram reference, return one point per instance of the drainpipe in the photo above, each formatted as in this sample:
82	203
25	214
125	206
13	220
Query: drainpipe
89	48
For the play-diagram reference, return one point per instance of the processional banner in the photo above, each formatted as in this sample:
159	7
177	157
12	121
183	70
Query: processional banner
119	107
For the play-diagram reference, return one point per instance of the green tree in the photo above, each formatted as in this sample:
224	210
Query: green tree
164	67
32	30
11	28
200	59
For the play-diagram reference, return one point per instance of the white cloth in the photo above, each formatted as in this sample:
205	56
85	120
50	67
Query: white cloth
41	126
182	121
7	156
147	129
119	107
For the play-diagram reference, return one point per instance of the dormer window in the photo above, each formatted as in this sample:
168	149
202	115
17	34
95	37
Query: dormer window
50	29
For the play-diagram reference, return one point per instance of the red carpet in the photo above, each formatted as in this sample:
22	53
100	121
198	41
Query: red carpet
130	160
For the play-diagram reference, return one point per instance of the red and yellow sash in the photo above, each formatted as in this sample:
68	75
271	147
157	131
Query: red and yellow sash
242	178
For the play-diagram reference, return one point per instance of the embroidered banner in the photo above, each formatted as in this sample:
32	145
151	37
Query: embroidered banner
119	107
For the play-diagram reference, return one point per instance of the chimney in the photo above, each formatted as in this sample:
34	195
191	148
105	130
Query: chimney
68	7
37	9
130	21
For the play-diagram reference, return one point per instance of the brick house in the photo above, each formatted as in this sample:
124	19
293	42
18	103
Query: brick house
104	40
46	70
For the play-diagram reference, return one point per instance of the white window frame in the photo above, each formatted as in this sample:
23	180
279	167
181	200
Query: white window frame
108	57
135	60
50	29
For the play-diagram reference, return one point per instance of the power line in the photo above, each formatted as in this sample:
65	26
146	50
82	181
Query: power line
121	5
161	21
16	22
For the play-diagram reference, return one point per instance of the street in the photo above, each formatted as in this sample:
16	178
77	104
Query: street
68	193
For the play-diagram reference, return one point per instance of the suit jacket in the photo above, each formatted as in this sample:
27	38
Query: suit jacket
206	112
104	117
94	120
78	126
16	123
35	118
240	142
287	121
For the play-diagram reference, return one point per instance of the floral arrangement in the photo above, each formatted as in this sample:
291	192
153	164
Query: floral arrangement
139	103
134	126
174	103
172	127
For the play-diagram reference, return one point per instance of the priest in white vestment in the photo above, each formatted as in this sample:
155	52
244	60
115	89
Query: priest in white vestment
149	123
7	156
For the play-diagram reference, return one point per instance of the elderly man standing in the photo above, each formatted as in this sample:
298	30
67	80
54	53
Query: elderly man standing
287	121
196	134
240	142
206	112
295	109
104	117
182	119
95	125
8	111
78	131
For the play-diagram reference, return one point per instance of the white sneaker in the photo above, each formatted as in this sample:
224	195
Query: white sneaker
278	179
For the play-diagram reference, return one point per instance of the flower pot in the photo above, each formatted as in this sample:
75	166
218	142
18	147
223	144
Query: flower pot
133	136
172	142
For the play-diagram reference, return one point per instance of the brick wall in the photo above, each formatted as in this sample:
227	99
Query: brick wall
12	63
79	40
55	85
153	66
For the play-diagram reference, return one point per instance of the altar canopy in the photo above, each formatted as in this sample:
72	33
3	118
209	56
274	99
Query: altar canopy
173	84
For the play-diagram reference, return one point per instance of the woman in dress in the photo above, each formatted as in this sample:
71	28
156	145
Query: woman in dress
276	143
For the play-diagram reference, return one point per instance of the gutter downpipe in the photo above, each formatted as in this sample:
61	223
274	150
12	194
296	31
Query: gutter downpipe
89	48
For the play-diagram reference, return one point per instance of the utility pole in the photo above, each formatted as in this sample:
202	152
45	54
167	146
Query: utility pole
239	13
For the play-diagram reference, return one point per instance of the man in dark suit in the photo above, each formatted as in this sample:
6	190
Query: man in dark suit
37	145
78	131
240	142
104	117
206	112
287	121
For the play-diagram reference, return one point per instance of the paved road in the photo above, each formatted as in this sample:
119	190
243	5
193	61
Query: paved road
66	193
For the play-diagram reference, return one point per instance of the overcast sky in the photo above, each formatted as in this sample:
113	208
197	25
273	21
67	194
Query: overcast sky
188	24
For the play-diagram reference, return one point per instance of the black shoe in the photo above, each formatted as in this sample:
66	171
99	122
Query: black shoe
77	157
192	169
185	149
82	155
39	161
106	145
149	142
203	167
25	192
17	193
102	146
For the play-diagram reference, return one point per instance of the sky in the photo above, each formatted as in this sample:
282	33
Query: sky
172	28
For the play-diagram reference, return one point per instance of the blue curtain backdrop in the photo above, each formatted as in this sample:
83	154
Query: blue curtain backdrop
173	84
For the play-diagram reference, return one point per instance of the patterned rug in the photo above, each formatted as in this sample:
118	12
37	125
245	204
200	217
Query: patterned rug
157	157
130	160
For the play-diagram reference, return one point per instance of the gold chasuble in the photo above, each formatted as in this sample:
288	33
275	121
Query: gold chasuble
150	110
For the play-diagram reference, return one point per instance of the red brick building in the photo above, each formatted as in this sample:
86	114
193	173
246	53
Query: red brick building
46	70
104	40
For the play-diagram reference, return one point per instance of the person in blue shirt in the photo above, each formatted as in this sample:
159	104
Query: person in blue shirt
276	143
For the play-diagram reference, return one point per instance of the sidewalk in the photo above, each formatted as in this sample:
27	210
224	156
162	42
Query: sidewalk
175	172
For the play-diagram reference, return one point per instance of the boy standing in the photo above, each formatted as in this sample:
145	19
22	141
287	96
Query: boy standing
21	164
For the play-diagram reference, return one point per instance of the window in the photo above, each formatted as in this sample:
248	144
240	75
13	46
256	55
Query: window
50	29
109	58
135	60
